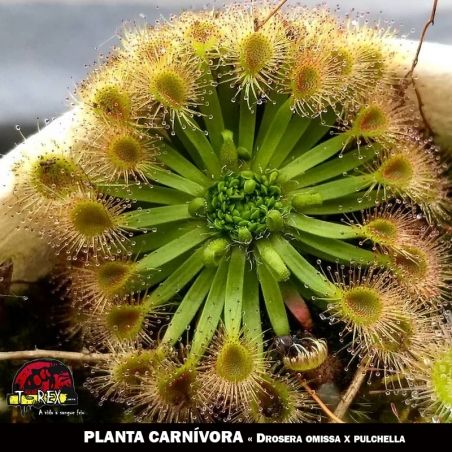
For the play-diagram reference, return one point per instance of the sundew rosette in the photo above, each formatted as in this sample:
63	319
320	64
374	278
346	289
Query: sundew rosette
220	158
431	378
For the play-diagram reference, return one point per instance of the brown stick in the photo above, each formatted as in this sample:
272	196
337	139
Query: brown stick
350	394
409	75
430	21
335	419
258	25
57	354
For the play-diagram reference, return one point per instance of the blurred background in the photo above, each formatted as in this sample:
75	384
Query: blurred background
46	45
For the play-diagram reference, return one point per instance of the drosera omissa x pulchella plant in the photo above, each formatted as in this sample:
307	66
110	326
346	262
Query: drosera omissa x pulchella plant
228	163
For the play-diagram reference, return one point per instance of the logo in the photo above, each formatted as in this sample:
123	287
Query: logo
43	382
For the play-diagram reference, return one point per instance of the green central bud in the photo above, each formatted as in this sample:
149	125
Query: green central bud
245	205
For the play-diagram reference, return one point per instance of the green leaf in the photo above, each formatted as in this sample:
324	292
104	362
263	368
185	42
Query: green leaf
350	203
203	147
322	228
234	292
247	125
179	164
273	136
181	142
177	280
270	256
211	108
341	187
337	166
154	216
302	269
145	193
211	313
312	158
229	108
274	302
271	107
139	281
144	243
315	132
188	307
173	249
168	178
252	324
335	250
294	133
228	151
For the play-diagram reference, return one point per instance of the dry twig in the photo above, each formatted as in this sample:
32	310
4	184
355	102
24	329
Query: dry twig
353	389
335	419
57	354
259	24
409	75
